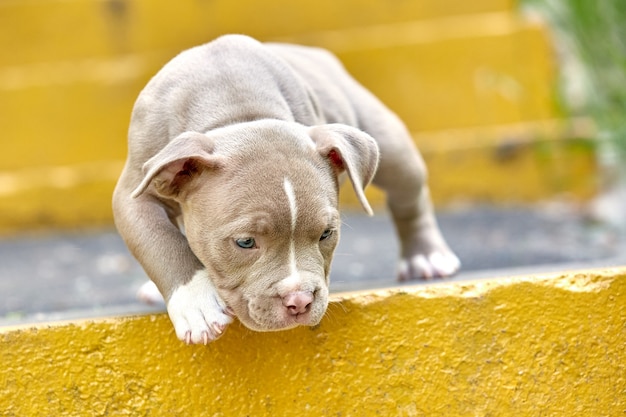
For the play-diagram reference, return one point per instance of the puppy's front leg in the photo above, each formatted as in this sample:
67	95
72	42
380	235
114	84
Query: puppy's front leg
198	313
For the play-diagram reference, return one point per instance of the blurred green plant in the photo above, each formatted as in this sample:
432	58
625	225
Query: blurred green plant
591	39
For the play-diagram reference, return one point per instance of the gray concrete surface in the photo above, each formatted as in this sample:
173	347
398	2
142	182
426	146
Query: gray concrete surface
73	275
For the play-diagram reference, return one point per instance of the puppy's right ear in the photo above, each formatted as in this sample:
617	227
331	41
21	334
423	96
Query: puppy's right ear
177	164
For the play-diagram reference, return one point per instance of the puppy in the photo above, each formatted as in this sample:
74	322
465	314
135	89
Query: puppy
228	199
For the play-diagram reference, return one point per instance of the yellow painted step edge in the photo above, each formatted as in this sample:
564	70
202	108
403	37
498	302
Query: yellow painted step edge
80	195
451	140
37	29
524	346
385	35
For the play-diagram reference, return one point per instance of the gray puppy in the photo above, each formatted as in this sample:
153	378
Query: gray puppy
228	198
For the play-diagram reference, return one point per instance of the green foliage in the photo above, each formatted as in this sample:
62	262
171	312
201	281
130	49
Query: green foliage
594	31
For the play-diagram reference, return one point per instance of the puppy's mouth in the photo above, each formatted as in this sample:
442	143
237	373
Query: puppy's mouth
266	310
266	314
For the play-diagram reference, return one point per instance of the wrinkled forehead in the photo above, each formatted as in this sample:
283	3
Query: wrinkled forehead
299	196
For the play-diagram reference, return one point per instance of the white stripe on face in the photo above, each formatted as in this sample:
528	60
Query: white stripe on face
293	209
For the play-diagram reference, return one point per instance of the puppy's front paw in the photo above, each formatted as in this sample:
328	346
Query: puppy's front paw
436	264
198	313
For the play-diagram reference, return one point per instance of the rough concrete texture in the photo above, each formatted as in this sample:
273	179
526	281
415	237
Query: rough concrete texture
552	345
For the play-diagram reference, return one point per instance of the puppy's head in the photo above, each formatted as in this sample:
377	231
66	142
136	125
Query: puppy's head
259	204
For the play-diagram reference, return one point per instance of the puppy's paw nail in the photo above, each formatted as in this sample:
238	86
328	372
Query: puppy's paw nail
404	272
423	267
205	338
188	337
218	329
445	265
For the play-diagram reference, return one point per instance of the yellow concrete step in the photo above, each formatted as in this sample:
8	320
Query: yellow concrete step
54	30
513	163
71	70
479	70
535	162
456	72
524	346
523	162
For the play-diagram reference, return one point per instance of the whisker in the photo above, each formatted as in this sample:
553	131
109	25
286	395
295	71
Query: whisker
330	315
344	253
343	223
338	303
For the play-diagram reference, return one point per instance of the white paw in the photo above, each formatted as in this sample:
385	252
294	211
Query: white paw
149	294
198	313
434	265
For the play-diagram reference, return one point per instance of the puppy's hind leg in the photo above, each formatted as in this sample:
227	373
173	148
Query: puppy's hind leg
402	175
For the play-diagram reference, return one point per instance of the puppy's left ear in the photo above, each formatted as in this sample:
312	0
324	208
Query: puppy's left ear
351	150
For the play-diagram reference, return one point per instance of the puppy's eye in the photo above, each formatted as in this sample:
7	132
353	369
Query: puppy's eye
327	233
245	243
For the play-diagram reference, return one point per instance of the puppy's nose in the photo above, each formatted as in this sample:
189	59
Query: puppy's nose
298	302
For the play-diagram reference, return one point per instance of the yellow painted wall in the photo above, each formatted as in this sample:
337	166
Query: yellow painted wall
521	162
526	346
70	71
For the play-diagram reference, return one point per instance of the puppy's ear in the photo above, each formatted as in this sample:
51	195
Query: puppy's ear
351	150
177	164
